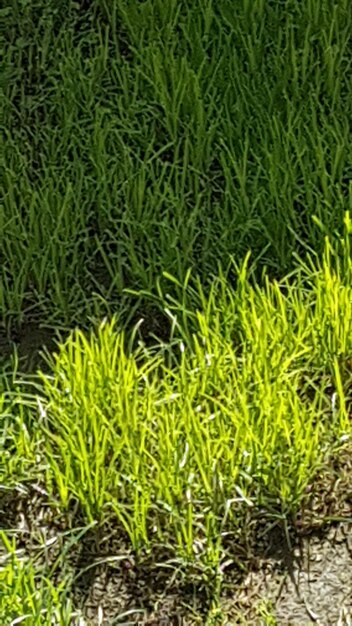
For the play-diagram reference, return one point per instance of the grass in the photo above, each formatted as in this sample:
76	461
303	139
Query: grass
188	163
180	450
204	130
141	439
28	595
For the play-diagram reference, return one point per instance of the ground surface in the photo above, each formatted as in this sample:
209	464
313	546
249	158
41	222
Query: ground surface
315	588
311	583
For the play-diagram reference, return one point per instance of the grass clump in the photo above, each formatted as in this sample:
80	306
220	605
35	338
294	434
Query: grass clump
185	449
181	450
18	435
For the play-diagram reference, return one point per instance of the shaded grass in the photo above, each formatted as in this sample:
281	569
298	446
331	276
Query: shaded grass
155	137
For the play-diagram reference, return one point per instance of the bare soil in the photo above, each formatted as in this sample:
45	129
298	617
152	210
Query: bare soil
305	583
315	588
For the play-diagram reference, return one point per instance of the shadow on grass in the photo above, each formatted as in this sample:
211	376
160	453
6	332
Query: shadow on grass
34	341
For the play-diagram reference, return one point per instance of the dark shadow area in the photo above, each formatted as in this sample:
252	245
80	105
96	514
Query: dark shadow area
30	341
33	341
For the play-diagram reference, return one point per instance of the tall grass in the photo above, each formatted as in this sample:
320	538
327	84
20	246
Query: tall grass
183	447
181	450
150	137
148	147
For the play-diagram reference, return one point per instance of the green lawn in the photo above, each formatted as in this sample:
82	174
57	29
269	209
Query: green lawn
176	205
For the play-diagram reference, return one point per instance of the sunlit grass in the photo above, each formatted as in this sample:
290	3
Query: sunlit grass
181	445
179	449
27	595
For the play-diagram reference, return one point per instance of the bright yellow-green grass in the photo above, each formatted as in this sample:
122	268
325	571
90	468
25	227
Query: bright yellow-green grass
180	444
27	595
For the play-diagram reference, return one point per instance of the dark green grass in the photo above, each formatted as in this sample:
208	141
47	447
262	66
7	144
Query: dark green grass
154	136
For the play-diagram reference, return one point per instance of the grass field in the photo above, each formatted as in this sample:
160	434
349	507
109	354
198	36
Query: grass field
175	182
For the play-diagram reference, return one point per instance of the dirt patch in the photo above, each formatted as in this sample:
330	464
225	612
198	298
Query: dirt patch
33	339
29	341
305	583
311	585
315	589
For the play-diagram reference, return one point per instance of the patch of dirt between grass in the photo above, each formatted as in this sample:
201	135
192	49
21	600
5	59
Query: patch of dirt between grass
33	338
308	583
315	589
